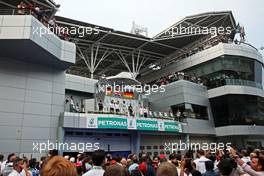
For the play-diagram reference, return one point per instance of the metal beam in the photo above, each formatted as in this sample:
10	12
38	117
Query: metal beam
124	51
123	35
112	46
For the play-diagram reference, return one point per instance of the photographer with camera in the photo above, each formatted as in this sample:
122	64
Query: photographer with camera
256	167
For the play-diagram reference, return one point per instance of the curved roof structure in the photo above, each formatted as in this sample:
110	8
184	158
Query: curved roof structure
108	51
129	52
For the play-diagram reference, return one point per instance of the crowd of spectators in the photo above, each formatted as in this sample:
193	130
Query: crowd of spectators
179	76
221	163
43	15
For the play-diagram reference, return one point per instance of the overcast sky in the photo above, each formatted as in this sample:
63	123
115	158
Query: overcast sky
157	15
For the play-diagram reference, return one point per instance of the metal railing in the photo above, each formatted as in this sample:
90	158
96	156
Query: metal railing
15	12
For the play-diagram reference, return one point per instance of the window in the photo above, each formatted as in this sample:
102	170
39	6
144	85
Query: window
69	133
162	147
237	110
229	70
149	153
155	147
79	133
188	110
142	147
149	147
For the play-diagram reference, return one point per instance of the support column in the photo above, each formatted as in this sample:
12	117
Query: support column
186	139
135	142
61	133
93	61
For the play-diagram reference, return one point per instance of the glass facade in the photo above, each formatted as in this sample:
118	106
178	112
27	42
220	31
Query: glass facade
187	110
238	110
229	70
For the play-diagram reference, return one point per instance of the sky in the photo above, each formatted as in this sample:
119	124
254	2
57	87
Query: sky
157	15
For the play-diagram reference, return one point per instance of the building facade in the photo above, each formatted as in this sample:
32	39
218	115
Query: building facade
36	94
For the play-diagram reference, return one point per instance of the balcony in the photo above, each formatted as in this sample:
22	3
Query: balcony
115	121
24	38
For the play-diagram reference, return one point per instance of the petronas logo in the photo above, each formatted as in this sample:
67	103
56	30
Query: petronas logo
91	122
131	123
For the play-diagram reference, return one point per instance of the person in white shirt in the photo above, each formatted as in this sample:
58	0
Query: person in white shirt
117	108
141	111
72	105
200	162
1	162
98	158
124	108
7	166
112	106
18	167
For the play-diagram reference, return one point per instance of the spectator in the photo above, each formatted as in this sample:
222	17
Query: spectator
188	168
226	168
155	162
209	166
135	163
7	166
72	160
117	109
1	162
256	167
18	167
145	160
123	162
101	106
173	159
87	164
130	110
21	8
58	166
67	157
112	106
245	156
79	168
167	169
72	105
141	111
98	158
200	162
114	170
77	109
124	108
145	110
33	167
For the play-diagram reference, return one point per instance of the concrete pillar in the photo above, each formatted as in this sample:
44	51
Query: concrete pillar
61	133
135	142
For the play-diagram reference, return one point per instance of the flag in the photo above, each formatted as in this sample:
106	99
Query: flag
128	94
